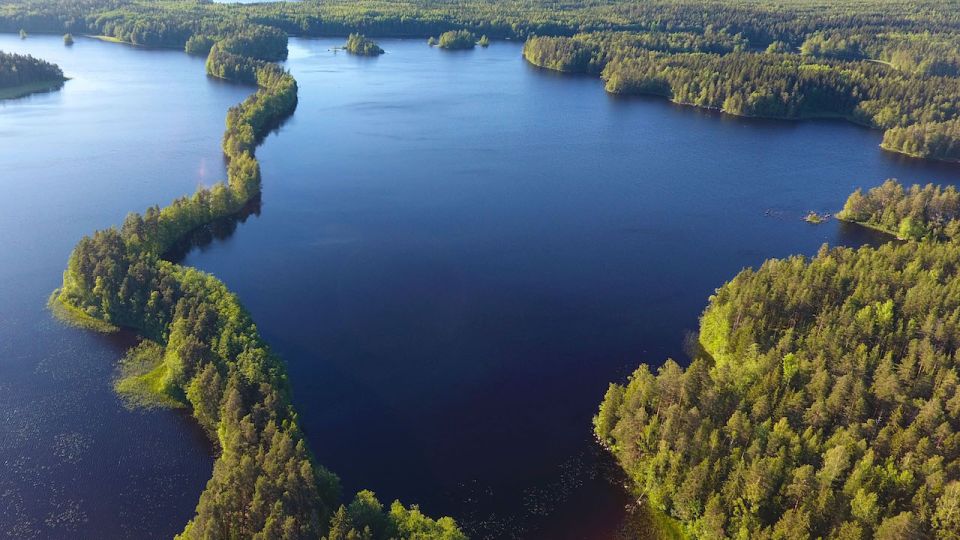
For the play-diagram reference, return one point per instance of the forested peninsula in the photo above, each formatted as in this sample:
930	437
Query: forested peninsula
825	399
22	75
202	350
918	213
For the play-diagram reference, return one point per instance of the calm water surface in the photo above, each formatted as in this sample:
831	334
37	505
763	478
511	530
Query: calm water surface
456	254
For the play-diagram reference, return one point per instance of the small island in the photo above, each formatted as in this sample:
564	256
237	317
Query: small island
455	40
68	39
815	218
360	45
22	74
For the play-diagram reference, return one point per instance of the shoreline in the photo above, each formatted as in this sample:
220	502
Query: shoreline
24	90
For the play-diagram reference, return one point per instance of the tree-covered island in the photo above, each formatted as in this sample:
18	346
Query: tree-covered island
360	45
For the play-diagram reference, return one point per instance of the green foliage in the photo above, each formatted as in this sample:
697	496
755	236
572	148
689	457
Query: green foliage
590	53
929	140
830	407
142	380
457	39
366	519
778	47
68	39
358	44
484	41
916	213
23	69
559	53
199	45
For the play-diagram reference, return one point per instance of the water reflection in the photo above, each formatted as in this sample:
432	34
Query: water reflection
215	231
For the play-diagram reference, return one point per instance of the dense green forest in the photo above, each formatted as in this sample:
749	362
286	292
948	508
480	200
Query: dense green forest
825	402
761	22
22	74
457	39
929	212
932	140
361	45
204	352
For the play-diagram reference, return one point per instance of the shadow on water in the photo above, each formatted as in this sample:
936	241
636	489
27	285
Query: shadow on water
851	234
217	230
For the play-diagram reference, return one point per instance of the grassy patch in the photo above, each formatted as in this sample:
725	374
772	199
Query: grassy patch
14	92
141	380
647	523
111	39
75	316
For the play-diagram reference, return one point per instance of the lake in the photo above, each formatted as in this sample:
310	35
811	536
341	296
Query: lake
456	253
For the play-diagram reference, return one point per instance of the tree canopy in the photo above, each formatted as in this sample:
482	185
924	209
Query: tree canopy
362	46
825	399
23	69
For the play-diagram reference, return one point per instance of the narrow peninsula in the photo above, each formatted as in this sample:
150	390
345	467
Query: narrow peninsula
22	75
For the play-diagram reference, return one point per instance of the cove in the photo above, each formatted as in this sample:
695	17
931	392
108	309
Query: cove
458	251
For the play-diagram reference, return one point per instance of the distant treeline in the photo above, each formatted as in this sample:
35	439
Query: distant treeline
590	53
265	482
922	53
766	84
929	212
171	22
23	69
754	84
824	401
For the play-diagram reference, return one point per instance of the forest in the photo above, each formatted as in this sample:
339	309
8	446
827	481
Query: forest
203	351
824	401
918	213
928	140
22	74
457	39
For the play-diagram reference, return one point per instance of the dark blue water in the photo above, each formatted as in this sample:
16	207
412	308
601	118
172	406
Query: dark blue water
456	253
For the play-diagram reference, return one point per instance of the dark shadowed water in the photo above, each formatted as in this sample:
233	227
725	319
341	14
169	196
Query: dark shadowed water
456	253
